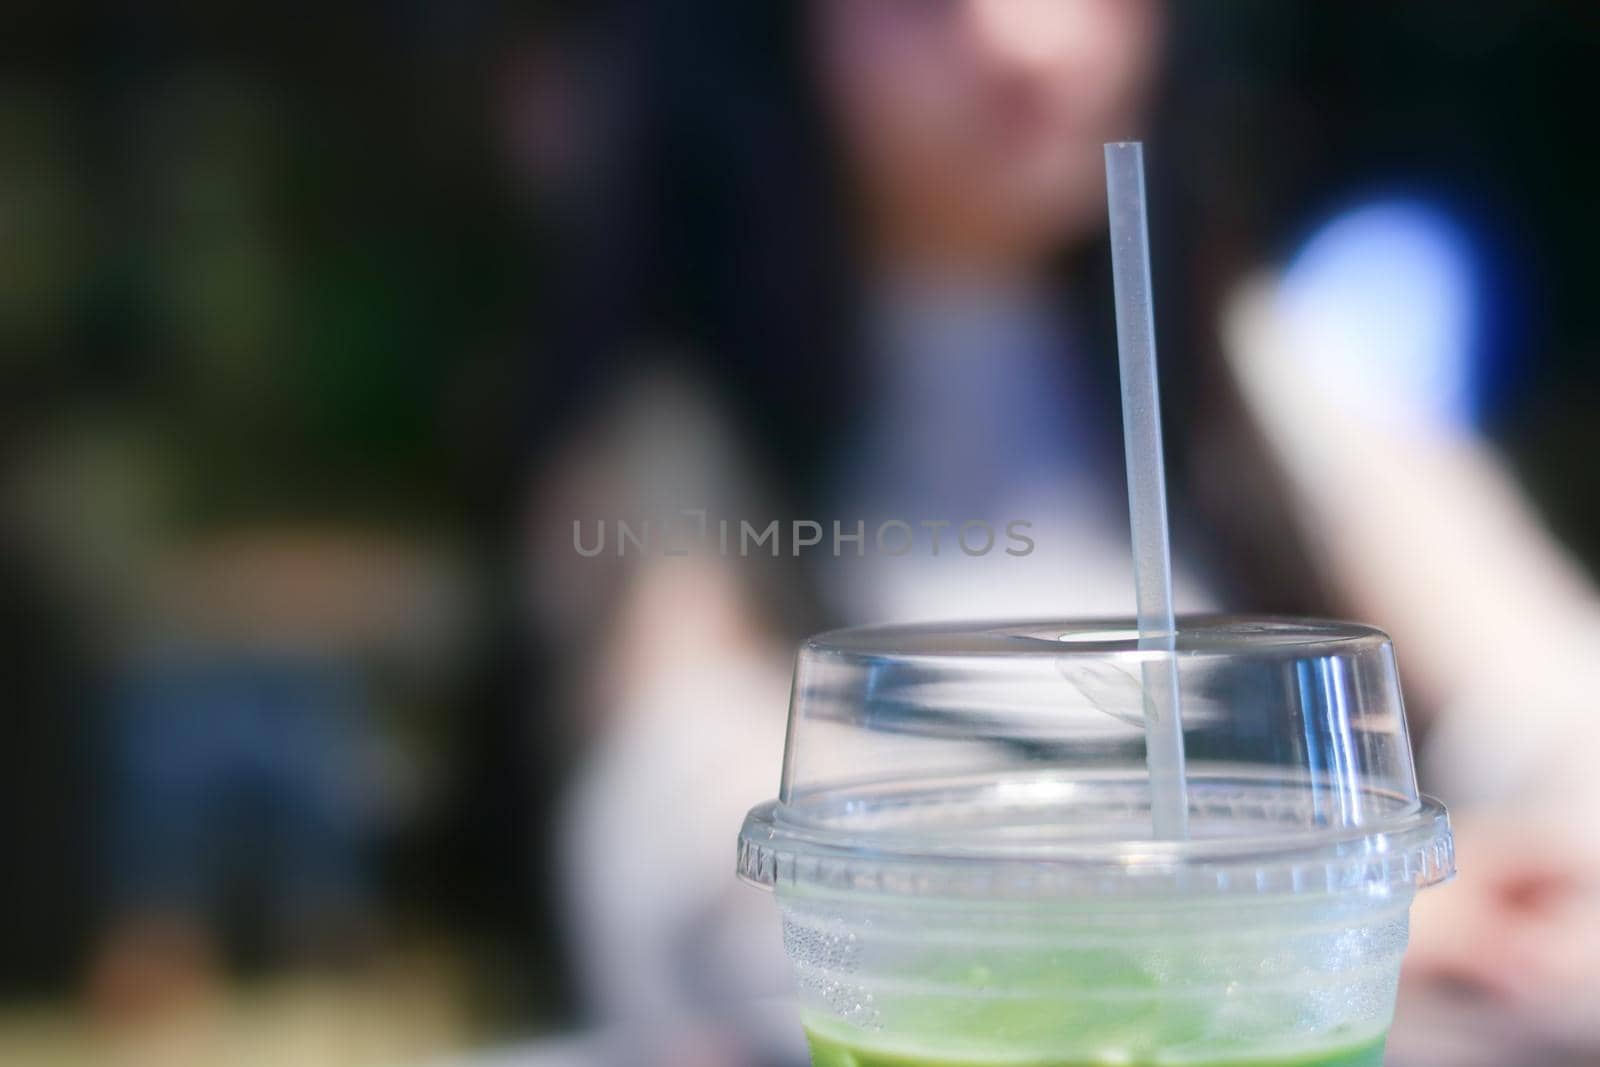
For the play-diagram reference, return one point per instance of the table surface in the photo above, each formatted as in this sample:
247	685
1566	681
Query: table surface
1429	1031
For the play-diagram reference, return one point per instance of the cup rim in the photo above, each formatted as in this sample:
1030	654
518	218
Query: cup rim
1230	634
1402	849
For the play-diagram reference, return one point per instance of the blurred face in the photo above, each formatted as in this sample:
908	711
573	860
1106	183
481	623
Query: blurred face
973	128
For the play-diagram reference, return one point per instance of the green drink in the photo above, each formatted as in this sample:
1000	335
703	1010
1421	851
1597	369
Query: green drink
966	871
825	1052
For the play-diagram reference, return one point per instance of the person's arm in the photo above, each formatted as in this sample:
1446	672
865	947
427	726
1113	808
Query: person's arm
1425	531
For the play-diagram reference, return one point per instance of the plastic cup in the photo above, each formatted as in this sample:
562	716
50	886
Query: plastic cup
964	864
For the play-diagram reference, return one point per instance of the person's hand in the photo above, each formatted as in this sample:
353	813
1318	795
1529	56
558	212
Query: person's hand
1519	930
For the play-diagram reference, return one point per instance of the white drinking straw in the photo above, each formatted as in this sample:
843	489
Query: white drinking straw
1147	487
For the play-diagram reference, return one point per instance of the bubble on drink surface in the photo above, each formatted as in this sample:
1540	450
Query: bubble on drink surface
826	954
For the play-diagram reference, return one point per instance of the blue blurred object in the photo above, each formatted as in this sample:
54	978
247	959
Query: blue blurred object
1388	308
239	775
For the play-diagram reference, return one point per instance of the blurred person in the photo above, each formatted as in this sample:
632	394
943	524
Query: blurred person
235	785
236	320
913	333
250	776
859	274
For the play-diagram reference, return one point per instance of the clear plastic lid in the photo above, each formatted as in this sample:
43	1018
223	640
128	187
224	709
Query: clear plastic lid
1008	760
